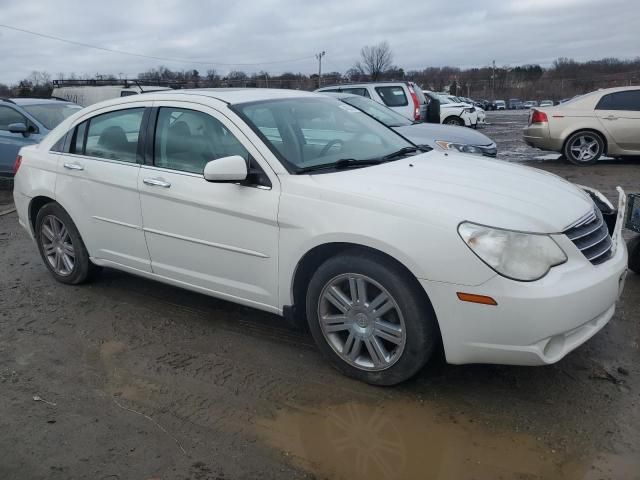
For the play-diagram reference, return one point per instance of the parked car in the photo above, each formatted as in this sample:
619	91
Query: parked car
24	121
546	103
445	137
300	205
585	128
500	105
87	93
454	113
515	104
406	98
480	113
633	224
530	104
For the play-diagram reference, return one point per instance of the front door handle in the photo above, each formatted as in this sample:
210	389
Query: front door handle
73	166
154	182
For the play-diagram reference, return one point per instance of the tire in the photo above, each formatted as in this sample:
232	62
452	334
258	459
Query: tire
409	330
633	246
61	247
584	148
453	120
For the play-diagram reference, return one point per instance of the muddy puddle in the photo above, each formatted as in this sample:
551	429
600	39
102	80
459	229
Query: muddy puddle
407	440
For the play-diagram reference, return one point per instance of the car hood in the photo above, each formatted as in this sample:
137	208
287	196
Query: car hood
454	105
428	133
445	189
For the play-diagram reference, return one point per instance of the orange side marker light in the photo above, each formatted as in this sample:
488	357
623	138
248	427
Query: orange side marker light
473	298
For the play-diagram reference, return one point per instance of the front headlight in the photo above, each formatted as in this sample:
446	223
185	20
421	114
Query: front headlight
519	256
460	147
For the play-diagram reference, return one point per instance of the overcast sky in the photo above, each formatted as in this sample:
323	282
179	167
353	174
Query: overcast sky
421	33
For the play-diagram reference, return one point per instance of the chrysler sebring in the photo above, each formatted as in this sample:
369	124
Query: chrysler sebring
300	205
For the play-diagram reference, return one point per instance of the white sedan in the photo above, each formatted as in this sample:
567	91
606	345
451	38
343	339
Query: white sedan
300	205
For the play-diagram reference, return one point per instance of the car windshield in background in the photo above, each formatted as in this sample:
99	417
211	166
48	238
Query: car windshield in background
51	114
378	111
313	132
443	99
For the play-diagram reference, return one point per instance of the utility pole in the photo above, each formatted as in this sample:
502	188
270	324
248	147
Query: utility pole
493	81
319	57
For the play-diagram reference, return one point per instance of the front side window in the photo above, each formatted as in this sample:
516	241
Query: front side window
186	140
393	96
309	132
113	135
8	116
628	100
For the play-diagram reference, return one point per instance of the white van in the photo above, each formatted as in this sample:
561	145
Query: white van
86	95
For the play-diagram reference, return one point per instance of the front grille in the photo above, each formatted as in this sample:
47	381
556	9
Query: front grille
591	235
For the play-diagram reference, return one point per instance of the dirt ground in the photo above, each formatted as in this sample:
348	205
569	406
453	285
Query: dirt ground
125	378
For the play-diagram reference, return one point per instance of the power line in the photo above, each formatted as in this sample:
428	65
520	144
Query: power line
140	55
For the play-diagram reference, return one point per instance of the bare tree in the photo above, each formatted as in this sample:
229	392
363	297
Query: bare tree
375	60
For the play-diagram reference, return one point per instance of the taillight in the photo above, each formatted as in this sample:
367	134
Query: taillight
539	117
416	103
17	163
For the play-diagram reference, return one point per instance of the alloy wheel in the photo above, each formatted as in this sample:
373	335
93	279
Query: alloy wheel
57	245
362	322
584	148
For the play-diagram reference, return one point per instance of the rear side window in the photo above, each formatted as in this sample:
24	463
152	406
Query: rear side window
393	96
186	140
357	91
114	135
629	100
8	116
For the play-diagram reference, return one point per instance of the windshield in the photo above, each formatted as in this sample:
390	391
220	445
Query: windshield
378	111
443	99
51	114
310	132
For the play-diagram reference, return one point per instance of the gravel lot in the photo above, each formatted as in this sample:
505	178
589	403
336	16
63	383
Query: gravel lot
125	378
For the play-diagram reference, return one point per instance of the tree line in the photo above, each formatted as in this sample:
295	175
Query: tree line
564	78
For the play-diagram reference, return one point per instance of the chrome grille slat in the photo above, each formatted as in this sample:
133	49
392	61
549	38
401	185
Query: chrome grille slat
591	236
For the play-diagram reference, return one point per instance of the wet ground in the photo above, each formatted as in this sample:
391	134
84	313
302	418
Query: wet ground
125	378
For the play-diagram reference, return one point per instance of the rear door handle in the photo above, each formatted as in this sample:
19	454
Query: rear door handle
154	182
73	166
610	117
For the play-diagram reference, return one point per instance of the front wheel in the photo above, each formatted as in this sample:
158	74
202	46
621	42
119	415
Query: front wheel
454	121
369	319
584	148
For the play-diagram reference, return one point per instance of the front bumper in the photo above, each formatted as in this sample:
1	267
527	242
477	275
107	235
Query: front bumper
534	323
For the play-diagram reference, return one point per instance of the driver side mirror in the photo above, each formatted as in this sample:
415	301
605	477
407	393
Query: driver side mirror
226	169
19	128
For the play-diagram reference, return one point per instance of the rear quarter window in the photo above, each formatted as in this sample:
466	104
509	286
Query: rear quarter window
393	96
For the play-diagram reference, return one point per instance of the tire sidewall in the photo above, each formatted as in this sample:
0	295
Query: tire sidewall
567	148
82	265
422	333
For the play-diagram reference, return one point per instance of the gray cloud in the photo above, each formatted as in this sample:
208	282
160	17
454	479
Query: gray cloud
421	33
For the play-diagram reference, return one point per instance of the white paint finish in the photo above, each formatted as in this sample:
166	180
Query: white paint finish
233	168
104	202
243	244
219	236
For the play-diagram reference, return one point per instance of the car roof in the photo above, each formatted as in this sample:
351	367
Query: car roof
339	95
238	95
34	101
360	84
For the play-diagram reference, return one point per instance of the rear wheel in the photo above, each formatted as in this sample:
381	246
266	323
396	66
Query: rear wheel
584	148
61	246
369	319
453	120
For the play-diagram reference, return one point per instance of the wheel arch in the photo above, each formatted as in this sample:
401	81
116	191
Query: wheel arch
313	258
35	205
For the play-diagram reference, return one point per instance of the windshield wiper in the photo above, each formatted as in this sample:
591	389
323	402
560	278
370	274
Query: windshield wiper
342	164
404	151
